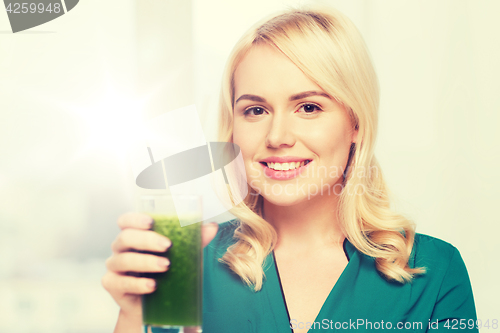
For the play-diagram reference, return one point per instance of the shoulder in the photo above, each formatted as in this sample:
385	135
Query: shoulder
225	234
227	228
446	277
425	244
224	238
436	255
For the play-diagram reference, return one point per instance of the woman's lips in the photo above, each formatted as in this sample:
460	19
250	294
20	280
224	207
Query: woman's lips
283	175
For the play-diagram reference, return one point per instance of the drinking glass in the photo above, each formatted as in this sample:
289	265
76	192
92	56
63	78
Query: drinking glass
176	304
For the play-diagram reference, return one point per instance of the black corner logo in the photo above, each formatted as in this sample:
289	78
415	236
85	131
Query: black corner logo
28	14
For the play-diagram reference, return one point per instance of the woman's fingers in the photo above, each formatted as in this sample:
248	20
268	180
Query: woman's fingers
137	262
135	220
142	240
208	232
135	234
121	284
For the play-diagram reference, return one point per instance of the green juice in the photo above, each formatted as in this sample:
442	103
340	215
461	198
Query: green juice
177	299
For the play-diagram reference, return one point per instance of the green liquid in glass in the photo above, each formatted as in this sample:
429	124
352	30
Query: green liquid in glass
177	298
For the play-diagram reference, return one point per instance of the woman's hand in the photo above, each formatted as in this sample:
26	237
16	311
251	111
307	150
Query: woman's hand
125	289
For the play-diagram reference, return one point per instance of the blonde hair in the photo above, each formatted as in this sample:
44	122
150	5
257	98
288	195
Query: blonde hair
341	66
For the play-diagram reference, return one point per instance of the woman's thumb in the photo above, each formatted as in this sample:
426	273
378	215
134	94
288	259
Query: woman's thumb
208	232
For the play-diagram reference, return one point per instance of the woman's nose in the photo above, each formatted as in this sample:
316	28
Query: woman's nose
279	135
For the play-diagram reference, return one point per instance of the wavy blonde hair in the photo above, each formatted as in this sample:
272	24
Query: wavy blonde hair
341	66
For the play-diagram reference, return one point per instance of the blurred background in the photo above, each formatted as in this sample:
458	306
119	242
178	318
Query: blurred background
73	89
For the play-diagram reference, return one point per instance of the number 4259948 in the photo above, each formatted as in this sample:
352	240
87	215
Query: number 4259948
24	8
455	324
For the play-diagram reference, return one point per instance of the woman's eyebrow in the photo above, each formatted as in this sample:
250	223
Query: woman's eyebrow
255	98
308	94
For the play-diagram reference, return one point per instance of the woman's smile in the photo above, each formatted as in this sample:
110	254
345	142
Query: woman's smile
286	170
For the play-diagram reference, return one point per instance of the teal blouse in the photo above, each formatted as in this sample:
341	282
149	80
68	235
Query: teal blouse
362	300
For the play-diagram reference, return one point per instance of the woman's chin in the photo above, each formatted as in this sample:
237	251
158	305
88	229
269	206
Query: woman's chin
284	200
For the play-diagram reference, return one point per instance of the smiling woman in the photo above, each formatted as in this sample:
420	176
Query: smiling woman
310	250
273	66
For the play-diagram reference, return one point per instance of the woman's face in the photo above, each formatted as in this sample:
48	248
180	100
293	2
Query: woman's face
280	115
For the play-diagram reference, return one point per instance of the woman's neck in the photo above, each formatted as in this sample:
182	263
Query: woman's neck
307	226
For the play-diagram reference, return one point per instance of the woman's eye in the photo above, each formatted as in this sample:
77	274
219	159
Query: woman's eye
310	108
257	111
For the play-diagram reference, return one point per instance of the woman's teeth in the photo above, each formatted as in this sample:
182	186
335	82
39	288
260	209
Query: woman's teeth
287	166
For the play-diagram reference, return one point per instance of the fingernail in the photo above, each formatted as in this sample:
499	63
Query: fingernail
165	243
163	262
151	284
148	221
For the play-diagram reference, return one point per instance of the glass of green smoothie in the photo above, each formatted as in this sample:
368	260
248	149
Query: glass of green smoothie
176	304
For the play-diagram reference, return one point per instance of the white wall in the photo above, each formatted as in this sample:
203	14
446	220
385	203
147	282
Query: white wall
59	197
438	143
